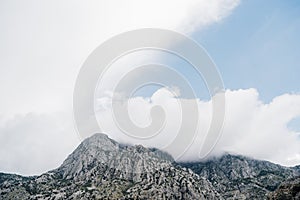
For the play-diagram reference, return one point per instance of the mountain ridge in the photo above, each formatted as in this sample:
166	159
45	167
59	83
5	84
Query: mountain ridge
238	176
101	168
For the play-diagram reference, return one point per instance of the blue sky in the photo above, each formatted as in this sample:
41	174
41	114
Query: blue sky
257	46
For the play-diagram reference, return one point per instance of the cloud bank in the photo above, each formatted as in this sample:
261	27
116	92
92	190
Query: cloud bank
43	45
251	127
42	48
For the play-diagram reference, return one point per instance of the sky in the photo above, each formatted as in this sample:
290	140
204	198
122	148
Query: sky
254	44
257	46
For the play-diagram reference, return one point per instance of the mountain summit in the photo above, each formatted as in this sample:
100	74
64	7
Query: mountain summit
100	168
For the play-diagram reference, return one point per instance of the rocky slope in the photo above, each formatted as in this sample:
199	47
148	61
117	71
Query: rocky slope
289	190
239	177
100	168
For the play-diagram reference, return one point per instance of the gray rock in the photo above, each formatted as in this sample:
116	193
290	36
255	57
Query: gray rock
239	177
100	168
289	190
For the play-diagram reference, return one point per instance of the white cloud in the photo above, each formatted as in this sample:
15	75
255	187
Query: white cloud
43	45
35	143
251	128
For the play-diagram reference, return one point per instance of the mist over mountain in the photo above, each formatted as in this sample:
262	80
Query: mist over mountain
100	168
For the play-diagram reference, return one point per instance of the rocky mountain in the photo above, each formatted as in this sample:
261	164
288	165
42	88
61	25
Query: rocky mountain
289	190
100	168
239	177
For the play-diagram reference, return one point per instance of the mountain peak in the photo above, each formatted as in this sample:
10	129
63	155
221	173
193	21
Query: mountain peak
100	141
100	168
102	160
99	149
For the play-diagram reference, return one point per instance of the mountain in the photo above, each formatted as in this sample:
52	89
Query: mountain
289	190
297	168
239	177
100	168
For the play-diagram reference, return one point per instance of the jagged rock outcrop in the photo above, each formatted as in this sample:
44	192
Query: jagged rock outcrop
100	168
289	190
239	177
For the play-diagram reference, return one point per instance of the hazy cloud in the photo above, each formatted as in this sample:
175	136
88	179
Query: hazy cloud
35	143
43	45
251	127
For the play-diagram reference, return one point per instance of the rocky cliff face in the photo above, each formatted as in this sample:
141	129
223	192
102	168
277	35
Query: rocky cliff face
100	168
239	177
289	190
